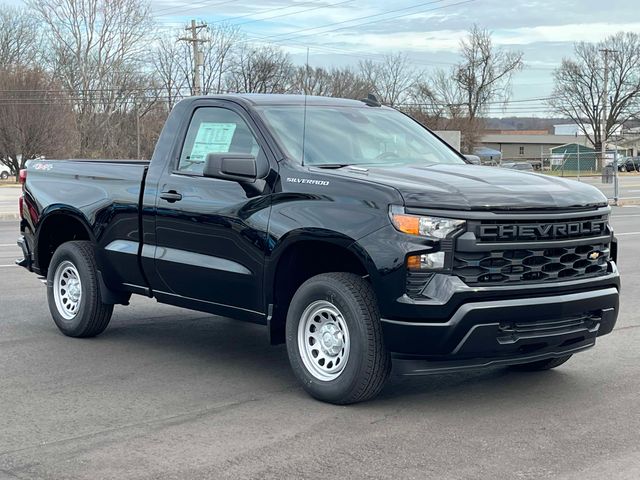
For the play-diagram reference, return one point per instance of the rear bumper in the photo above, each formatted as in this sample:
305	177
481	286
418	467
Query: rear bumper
503	331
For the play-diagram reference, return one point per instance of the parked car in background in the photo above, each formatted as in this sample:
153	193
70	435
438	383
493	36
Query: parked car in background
522	166
629	164
4	171
473	159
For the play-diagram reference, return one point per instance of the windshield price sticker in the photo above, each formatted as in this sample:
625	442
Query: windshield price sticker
212	138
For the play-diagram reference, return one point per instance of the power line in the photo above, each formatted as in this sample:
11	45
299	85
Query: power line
291	35
317	7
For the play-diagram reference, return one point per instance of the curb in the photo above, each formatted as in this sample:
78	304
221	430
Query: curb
10	185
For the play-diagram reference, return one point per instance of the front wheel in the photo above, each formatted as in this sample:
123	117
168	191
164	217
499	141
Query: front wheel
334	339
73	291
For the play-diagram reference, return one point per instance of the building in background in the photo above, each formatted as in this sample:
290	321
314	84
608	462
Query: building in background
452	137
574	157
576	129
525	145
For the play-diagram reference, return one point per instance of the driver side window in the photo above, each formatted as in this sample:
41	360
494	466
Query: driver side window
215	130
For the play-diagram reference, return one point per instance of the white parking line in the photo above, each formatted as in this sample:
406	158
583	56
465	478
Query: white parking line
8	244
627	233
7	266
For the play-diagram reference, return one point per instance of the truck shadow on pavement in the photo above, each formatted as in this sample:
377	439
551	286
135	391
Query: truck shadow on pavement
221	349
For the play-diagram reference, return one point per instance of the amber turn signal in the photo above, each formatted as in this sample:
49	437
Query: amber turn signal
407	223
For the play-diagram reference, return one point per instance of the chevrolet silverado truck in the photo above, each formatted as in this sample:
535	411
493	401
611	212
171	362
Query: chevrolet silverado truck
350	231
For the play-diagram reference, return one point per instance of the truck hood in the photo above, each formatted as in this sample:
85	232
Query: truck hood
473	187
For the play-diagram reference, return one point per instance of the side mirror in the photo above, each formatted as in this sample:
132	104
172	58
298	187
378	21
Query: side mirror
474	159
239	167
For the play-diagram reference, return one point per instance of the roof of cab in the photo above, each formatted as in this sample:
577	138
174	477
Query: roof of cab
257	99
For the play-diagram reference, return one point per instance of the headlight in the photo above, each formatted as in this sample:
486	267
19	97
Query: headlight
434	227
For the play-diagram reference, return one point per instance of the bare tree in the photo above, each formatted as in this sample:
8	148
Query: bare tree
392	79
461	96
35	117
20	42
579	85
311	81
439	105
261	70
168	63
347	83
97	52
485	73
218	52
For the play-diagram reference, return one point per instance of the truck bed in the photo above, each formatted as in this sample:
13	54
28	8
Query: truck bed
102	194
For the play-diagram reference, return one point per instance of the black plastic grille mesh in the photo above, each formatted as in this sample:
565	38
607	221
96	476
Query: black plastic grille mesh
531	265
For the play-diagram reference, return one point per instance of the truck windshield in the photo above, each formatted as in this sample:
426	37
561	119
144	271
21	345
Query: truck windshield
368	136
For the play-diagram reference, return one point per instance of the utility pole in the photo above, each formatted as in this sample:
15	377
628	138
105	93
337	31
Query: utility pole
197	54
605	106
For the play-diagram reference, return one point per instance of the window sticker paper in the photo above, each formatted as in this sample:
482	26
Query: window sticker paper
212	138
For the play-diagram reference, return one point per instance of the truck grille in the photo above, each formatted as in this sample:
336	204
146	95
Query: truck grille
531	265
527	263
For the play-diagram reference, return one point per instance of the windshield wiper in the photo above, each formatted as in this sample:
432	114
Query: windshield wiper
332	165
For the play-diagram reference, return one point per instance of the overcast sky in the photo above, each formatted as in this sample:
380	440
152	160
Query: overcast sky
339	32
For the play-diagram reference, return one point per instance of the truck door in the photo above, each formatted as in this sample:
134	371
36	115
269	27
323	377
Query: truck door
211	234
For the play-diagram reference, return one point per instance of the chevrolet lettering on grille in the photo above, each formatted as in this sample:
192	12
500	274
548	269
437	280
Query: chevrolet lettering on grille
539	231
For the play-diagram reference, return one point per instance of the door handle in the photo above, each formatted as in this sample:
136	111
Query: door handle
171	196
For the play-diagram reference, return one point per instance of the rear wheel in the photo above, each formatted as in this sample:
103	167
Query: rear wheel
334	339
541	365
73	291
4	175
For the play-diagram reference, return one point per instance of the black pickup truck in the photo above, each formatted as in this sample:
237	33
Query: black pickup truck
350	231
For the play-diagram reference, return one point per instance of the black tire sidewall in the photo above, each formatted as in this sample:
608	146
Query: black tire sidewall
325	289
77	325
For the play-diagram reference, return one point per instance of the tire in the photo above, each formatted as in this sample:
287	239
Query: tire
342	305
541	365
77	310
4	175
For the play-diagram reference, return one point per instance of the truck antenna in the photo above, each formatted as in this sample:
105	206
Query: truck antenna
304	115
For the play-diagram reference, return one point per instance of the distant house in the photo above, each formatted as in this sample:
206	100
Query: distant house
572	129
516	145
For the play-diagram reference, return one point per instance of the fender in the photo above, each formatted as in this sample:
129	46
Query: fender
301	235
55	211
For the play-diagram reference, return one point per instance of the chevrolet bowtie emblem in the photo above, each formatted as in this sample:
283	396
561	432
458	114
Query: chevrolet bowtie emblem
594	255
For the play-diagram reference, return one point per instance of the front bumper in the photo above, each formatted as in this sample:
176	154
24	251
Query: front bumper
507	331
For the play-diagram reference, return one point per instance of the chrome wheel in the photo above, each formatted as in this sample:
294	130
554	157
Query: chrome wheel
67	290
323	340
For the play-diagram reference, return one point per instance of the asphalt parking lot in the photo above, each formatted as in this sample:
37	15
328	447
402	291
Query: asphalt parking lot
168	393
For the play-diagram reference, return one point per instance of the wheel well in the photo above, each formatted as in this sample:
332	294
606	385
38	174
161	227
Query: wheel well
299	263
55	231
